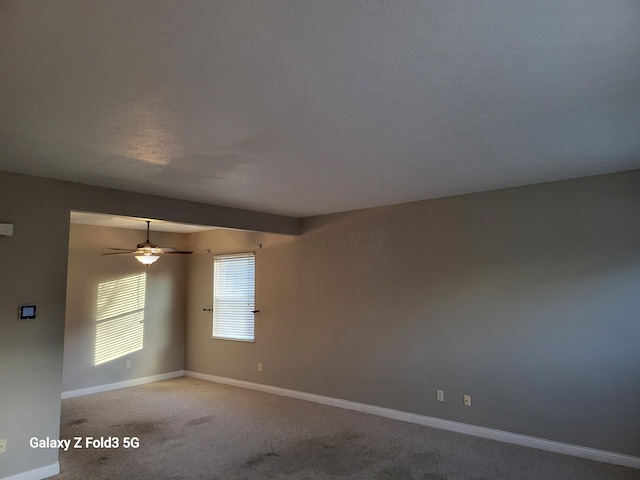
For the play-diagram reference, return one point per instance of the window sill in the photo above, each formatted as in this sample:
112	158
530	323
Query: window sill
234	339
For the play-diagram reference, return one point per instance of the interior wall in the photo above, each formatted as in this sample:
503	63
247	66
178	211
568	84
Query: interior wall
103	305
525	298
33	269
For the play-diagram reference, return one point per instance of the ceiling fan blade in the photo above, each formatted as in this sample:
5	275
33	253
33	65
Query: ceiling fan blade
172	250
147	249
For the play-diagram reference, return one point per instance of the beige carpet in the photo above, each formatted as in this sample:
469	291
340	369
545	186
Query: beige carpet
192	429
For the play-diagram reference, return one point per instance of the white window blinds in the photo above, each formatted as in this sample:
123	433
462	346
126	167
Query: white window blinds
234	296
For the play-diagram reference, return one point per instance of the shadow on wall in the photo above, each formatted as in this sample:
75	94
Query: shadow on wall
120	317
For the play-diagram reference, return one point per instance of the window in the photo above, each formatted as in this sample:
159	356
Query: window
234	296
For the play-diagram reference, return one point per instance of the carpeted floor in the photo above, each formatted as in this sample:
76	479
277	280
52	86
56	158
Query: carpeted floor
193	429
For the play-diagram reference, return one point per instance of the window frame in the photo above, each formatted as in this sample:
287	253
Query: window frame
249	320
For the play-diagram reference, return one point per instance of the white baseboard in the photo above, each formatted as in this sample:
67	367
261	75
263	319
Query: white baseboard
127	383
499	435
37	473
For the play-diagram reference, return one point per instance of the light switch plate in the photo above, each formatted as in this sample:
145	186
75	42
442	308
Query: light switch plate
6	230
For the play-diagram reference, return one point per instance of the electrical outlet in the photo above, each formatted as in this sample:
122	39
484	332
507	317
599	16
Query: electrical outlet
440	395
3	445
259	367
467	400
127	364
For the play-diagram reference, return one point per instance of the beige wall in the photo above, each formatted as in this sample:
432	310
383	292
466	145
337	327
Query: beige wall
157	344
33	268
526	299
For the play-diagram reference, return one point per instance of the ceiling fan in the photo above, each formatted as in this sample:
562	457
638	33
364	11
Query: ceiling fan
147	252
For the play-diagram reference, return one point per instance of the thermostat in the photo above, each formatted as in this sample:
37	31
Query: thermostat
27	312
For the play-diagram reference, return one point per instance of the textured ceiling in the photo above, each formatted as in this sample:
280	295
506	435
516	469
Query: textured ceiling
308	107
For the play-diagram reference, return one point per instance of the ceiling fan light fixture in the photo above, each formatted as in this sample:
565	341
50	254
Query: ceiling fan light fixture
147	258
147	252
